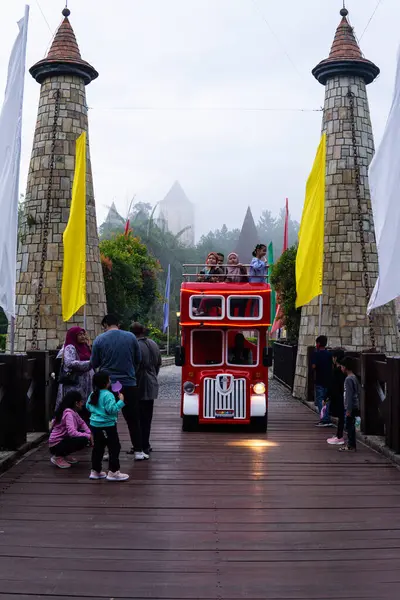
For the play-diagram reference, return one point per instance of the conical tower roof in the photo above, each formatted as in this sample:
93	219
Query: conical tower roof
345	57
176	196
248	238
64	57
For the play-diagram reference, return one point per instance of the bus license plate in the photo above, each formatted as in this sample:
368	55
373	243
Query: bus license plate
224	413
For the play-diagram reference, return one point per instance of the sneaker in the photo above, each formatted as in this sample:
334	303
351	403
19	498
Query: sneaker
96	475
335	441
141	456
60	462
117	476
71	460
106	456
324	424
347	448
148	450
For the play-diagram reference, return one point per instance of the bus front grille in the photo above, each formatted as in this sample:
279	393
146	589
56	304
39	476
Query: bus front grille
224	405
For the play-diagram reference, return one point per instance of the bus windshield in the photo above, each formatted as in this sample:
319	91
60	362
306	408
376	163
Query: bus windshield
233	347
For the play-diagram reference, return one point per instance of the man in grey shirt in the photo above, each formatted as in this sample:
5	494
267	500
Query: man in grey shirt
147	381
117	353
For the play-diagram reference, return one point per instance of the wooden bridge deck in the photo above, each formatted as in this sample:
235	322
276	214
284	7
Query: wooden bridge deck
211	516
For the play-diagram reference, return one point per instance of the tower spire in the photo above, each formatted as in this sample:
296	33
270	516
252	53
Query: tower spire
345	57
64	57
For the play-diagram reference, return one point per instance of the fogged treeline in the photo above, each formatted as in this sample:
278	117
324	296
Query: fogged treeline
168	249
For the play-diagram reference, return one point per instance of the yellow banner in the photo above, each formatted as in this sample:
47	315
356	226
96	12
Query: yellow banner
310	253
73	289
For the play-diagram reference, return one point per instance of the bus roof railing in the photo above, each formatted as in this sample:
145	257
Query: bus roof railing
188	275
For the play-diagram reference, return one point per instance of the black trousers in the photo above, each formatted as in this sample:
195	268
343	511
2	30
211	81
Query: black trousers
69	446
107	436
146	417
131	412
340	427
351	431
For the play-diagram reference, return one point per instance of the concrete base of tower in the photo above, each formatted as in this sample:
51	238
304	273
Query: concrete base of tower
345	328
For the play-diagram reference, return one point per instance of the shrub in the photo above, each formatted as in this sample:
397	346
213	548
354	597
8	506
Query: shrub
283	278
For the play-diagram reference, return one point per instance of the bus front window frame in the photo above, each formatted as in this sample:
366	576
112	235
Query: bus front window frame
246	365
203	330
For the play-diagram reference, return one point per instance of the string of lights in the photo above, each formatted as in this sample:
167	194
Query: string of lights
205	108
371	18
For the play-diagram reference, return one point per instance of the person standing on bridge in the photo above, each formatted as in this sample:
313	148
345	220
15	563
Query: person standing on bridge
335	396
117	353
351	404
322	366
104	409
147	381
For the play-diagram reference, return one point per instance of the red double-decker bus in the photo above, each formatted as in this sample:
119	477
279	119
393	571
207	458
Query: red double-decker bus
224	354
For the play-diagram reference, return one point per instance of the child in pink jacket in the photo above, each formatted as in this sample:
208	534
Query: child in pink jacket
69	432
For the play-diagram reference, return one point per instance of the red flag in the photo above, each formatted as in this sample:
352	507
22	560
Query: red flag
277	324
126	228
286	229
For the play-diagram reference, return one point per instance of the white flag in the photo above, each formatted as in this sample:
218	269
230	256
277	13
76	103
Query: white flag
384	179
10	158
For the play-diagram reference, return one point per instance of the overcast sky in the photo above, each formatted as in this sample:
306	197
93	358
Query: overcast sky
183	90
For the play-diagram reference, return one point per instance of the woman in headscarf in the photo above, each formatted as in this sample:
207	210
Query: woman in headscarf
212	273
236	273
76	371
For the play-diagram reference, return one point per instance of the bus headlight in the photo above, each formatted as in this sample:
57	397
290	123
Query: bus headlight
189	387
259	388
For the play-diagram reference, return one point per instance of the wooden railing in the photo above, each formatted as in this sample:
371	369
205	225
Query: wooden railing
284	366
26	397
379	377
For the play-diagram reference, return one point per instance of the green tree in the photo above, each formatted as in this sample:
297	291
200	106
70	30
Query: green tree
271	229
221	240
3	322
283	278
130	277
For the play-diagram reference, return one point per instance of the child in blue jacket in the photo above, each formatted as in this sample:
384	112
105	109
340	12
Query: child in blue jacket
104	409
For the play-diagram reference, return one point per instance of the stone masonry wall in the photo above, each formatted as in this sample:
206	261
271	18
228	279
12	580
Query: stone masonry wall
71	122
344	302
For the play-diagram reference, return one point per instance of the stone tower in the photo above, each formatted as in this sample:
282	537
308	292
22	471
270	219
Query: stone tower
350	257
62	116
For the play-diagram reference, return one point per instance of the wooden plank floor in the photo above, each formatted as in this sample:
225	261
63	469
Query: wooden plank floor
211	516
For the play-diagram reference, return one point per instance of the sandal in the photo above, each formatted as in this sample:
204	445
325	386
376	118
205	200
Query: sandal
347	448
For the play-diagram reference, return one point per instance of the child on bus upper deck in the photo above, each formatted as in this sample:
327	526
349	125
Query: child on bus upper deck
258	265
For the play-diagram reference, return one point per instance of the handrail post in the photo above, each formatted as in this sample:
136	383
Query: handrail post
371	421
310	375
393	395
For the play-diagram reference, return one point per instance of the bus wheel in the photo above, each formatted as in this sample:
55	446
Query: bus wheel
259	424
189	423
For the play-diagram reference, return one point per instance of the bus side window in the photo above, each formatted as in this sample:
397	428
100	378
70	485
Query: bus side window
248	308
206	307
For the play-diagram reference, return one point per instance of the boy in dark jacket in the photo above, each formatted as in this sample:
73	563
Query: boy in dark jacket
336	396
351	404
322	365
